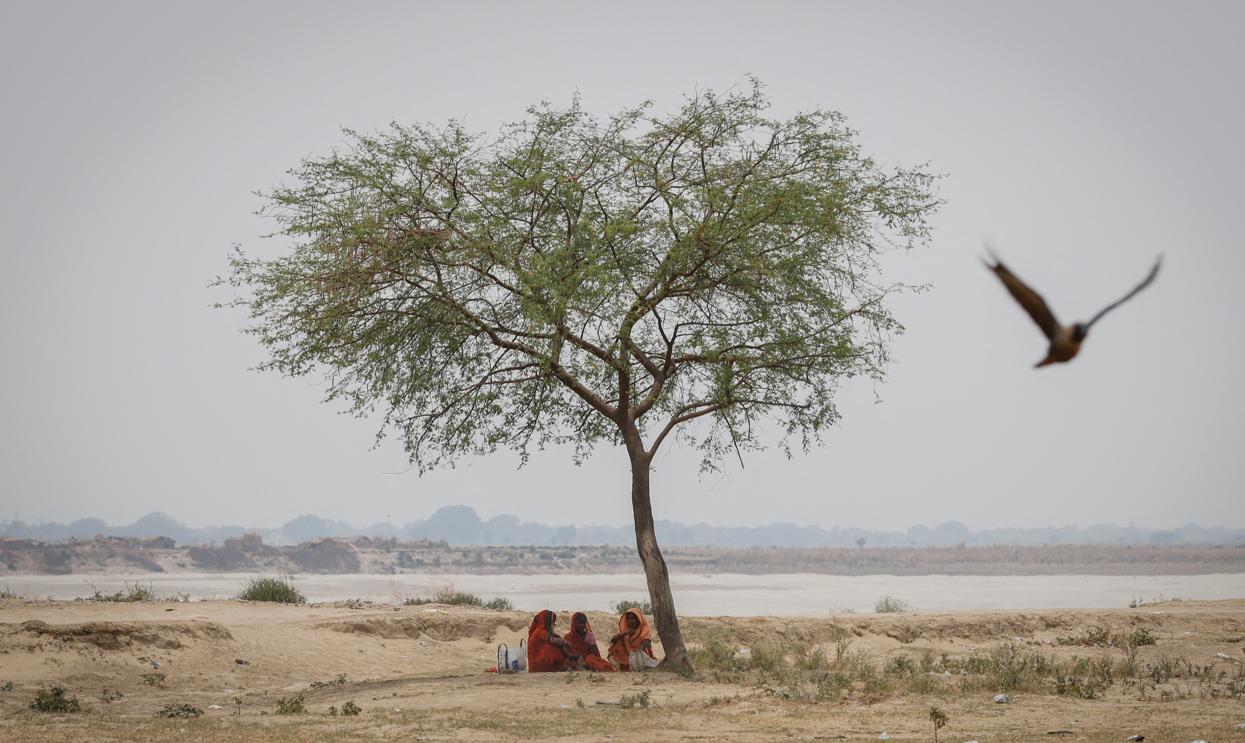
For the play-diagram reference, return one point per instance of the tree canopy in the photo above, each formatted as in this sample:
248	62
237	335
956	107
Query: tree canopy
573	281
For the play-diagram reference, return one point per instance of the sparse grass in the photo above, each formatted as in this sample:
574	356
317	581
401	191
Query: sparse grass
890	605
276	589
447	594
7	593
645	606
54	700
136	592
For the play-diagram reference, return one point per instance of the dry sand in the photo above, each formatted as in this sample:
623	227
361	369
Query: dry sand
420	673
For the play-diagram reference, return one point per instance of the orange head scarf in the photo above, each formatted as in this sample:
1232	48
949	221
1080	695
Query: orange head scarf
634	640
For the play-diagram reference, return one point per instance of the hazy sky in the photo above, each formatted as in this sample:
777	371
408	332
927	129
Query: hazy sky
1082	138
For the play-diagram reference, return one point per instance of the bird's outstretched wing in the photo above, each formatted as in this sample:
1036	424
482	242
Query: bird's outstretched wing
1029	299
1153	272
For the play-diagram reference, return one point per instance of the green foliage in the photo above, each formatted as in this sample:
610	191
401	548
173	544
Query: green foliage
339	681
54	701
628	701
136	592
644	605
489	293
1142	636
6	686
108	697
154	679
291	705
449	595
890	605
180	711
351	709
275	589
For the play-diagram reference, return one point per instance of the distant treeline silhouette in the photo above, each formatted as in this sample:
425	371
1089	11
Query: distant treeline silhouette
460	525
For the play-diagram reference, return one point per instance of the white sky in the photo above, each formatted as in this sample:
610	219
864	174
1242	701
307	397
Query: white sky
1082	138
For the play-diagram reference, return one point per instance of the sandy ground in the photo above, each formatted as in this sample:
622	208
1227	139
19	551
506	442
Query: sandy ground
421	673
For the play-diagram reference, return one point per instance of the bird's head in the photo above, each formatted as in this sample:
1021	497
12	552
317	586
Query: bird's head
1079	331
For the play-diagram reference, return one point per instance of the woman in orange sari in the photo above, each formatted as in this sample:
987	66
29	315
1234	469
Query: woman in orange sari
583	642
632	635
545	649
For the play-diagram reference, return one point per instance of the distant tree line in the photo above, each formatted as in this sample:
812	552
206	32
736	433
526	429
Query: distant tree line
460	525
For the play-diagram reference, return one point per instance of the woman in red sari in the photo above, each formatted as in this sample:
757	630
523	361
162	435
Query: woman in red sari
545	649
632	635
583	642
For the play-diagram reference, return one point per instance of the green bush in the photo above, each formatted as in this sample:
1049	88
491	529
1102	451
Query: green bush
277	590
291	706
350	708
154	679
645	607
890	605
1142	637
339	681
54	701
717	651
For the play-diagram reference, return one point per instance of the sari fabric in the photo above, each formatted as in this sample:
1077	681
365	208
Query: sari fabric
631	641
542	655
585	645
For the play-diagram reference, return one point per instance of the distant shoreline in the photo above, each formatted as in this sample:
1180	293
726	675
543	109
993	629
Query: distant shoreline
370	556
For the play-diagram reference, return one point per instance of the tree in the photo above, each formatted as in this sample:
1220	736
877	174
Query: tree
576	282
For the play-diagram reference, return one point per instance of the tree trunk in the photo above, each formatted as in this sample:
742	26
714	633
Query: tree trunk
664	616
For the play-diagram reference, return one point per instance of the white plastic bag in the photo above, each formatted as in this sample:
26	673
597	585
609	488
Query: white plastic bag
639	661
512	660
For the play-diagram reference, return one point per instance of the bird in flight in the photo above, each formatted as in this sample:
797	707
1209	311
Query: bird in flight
1065	340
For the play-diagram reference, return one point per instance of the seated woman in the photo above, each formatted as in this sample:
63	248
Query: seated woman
583	642
632	635
546	651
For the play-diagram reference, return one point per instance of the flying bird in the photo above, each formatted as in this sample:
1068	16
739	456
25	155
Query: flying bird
1065	340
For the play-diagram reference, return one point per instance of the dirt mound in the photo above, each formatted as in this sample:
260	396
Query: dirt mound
37	635
976	627
437	625
324	556
225	559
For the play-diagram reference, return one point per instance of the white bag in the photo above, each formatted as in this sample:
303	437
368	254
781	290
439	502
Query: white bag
639	661
512	660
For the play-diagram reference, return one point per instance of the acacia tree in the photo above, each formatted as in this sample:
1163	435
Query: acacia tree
570	281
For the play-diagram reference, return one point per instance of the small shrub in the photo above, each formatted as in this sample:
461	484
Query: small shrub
716	651
154	679
180	711
54	701
339	681
890	605
645	607
499	604
635	700
291	706
277	590
1141	637
939	718
350	708
108	697
8	686
7	593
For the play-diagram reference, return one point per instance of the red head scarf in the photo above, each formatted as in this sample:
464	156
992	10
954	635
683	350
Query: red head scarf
584	643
